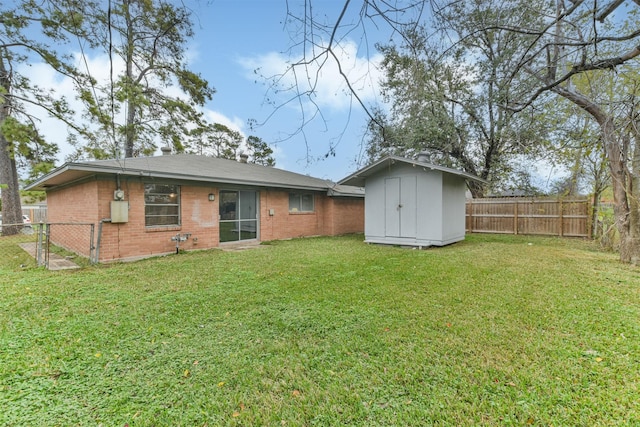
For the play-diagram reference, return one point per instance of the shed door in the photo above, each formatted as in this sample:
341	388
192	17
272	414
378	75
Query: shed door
392	207
400	207
409	209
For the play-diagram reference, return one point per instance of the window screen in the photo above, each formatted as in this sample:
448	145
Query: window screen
161	204
301	202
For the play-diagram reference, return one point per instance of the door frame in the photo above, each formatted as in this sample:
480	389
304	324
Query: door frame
400	210
241	220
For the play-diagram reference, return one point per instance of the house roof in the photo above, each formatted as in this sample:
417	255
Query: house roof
358	178
188	167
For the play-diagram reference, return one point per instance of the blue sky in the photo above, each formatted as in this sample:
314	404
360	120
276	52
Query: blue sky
233	38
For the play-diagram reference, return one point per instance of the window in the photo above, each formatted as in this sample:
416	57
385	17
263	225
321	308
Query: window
300	202
161	204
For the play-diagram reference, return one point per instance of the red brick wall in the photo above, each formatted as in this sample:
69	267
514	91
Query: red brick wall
133	239
331	217
283	224
346	215
73	204
78	204
90	202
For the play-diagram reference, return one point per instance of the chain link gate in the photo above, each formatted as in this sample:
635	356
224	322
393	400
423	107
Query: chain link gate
59	243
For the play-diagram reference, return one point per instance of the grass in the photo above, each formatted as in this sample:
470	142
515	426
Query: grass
12	256
505	330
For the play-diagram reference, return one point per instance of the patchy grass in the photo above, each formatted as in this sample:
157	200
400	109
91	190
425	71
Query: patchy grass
12	256
506	330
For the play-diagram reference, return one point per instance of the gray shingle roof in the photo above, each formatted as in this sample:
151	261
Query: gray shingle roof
188	167
358	178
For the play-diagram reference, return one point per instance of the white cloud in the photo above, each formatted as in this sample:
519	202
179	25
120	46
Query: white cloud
330	92
53	130
322	76
233	123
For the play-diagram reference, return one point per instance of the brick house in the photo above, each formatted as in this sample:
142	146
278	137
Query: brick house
145	206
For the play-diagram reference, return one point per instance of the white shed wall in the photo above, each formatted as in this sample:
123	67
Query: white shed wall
453	202
374	200
429	207
432	211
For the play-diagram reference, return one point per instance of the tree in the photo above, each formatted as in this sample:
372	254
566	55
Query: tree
149	37
451	106
566	42
218	140
577	147
561	39
21	144
437	102
259	151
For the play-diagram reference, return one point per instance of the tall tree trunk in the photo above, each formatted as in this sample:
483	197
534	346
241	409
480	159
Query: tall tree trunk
476	189
634	203
131	93
600	183
11	207
598	188
625	193
595	211
622	184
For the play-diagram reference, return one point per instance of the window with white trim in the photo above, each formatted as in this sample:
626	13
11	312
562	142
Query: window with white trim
161	205
301	202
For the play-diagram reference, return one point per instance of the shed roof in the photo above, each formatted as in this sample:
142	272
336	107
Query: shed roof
188	167
358	178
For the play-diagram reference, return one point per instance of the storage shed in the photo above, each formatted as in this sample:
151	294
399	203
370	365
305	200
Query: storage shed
412	202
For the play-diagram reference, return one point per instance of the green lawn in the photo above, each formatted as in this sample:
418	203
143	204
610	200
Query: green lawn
496	330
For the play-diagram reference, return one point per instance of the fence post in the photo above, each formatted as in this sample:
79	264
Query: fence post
47	236
39	245
515	217
592	217
92	247
561	219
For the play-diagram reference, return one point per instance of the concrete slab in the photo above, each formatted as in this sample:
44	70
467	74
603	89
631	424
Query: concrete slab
56	262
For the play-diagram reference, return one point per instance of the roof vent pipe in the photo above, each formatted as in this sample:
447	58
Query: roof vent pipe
423	157
244	157
165	150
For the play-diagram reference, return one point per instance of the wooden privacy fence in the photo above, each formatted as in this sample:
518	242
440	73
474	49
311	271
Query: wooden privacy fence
554	217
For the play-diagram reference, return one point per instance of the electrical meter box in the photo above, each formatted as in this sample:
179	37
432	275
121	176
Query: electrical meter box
119	211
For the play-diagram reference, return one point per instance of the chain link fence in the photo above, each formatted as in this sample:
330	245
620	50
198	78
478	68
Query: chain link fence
16	244
55	246
71	242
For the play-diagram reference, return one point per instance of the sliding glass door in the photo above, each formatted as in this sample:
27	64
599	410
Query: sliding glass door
238	215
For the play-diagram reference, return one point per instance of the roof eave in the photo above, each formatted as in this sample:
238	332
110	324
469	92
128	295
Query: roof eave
40	184
358	178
